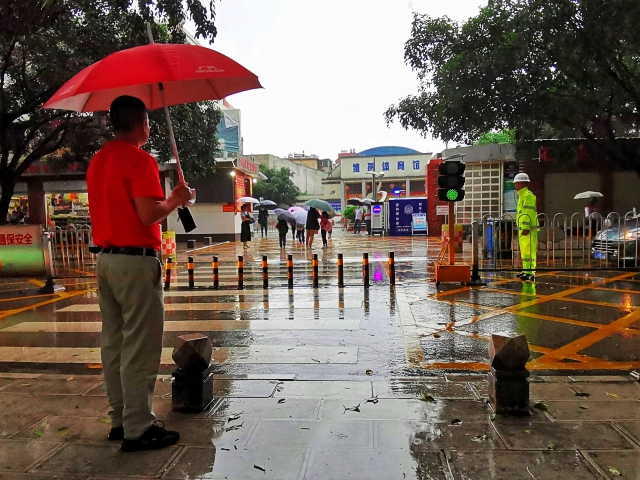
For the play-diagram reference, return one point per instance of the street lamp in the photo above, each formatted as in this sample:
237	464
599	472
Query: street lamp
374	193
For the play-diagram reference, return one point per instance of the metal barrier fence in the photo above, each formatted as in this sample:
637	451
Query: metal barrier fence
571	242
71	254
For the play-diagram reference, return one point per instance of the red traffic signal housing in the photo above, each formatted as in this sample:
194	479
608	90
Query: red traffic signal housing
451	181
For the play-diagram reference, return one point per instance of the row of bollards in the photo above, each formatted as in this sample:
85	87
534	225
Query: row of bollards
215	265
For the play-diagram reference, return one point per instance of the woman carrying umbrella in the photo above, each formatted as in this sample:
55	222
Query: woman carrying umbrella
245	230
313	225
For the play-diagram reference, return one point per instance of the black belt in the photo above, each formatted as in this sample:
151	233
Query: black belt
136	251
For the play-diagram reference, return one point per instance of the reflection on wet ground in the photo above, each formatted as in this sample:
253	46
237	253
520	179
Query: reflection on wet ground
335	382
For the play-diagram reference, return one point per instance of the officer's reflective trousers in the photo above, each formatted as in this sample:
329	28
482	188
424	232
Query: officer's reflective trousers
528	251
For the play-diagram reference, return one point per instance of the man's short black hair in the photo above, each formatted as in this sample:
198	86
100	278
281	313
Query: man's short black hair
127	113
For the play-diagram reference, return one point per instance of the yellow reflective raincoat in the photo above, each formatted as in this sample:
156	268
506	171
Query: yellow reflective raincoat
527	219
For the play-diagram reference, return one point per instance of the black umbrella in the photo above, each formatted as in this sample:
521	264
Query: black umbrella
282	214
267	205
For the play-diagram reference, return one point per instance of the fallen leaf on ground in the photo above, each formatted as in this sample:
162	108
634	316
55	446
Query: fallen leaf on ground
105	420
63	431
225	449
582	394
492	416
526	431
479	438
69	379
584	407
614	395
615	471
369	372
234	427
427	397
456	421
37	433
305	428
282	400
317	361
258	467
551	446
541	406
436	335
26	384
234	417
352	409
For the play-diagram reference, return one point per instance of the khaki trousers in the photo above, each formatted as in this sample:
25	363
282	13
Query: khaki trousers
132	309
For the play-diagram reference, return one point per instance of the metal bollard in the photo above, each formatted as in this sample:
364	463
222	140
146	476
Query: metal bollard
392	269
192	280
365	269
240	265
216	275
290	271
340	270
167	275
314	266
265	272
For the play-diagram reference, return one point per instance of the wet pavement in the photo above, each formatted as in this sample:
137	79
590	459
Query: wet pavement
294	364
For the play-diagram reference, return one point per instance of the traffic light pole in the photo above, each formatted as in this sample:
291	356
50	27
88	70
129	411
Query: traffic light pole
452	249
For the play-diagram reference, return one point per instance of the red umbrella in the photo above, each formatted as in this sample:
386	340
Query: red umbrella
160	75
188	73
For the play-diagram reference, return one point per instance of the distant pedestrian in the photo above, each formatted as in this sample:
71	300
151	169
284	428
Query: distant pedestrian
263	220
245	229
293	230
313	225
300	233
326	227
283	228
127	206
590	220
528	227
357	224
367	219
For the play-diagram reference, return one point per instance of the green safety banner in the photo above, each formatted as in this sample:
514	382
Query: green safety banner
21	251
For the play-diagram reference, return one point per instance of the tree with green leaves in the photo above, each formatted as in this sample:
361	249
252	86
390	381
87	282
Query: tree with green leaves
556	69
45	42
278	187
508	135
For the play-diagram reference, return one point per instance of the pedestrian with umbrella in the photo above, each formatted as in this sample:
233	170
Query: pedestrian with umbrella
127	206
313	226
263	219
245	228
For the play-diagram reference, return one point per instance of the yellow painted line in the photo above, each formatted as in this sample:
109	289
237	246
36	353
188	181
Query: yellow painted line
619	290
569	321
593	337
13	299
37	283
481	366
412	345
61	296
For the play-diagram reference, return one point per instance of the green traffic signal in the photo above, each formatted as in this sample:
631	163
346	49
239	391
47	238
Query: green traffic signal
451	181
452	195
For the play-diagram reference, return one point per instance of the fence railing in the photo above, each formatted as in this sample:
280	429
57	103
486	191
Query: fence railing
563	241
71	254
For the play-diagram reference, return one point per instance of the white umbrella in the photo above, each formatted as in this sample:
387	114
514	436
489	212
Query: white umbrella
588	194
247	200
300	216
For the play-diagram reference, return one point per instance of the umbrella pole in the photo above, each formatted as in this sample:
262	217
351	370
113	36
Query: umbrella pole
168	117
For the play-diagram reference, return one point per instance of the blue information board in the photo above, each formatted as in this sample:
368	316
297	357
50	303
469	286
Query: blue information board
401	212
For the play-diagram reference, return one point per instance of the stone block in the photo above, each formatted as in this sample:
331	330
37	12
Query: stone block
191	391
193	352
508	353
509	391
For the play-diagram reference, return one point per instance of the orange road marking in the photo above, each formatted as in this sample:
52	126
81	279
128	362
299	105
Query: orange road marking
37	283
61	296
28	297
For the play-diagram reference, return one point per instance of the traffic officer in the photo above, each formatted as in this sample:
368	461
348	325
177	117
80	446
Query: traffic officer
527	224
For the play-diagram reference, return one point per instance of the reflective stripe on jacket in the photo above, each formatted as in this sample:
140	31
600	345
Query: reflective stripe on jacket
526	213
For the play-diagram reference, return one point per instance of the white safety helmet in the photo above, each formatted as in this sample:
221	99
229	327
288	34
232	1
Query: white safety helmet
521	177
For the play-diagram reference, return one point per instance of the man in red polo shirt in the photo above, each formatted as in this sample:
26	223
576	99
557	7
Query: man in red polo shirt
127	203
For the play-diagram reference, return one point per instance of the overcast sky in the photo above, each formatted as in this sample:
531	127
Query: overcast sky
329	68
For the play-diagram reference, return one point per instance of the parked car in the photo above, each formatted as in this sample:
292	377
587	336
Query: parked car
619	243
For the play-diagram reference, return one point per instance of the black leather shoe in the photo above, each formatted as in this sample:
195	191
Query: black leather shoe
116	433
156	437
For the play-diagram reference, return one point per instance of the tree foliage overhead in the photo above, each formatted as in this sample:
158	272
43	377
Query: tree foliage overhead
278	187
45	42
508	135
549	69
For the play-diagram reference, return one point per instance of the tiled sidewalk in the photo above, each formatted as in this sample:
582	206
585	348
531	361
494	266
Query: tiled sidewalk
54	426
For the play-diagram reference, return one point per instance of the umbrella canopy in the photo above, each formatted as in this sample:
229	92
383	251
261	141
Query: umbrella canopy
247	200
367	201
282	214
296	209
300	216
354	201
320	205
188	73
267	205
588	194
